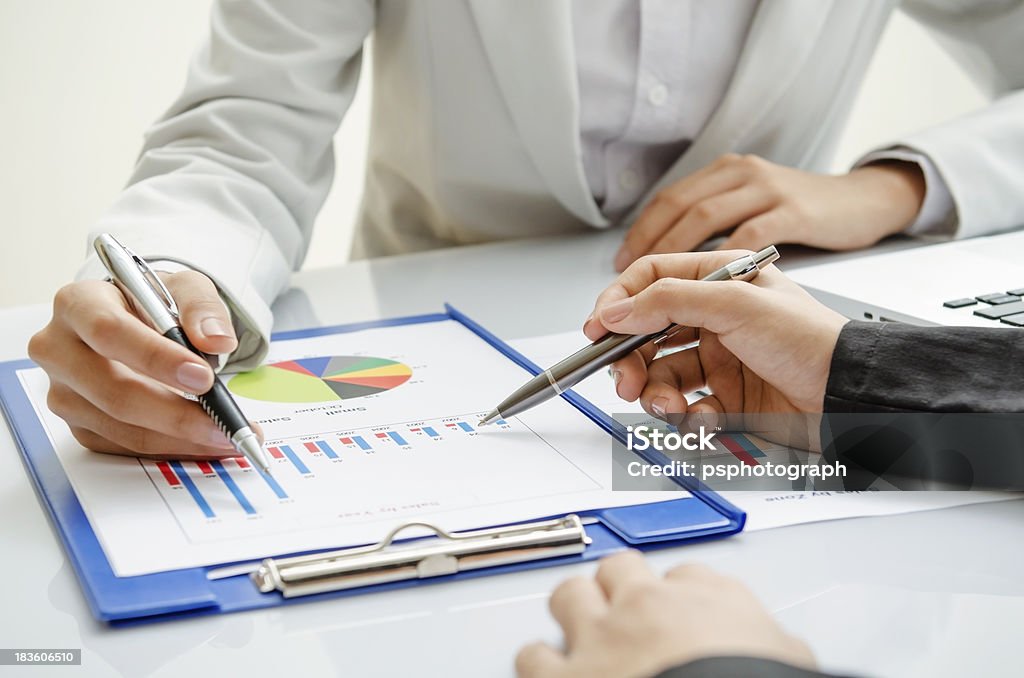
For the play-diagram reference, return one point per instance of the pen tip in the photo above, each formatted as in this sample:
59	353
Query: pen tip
494	415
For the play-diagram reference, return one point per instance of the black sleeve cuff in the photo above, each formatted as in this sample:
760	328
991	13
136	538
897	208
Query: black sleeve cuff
735	667
896	367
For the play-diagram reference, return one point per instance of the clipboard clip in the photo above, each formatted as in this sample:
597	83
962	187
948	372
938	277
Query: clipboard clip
444	554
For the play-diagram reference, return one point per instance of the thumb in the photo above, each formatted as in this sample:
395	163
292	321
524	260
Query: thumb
204	316
719	306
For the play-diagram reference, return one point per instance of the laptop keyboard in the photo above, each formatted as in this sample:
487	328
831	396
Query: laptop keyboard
1005	307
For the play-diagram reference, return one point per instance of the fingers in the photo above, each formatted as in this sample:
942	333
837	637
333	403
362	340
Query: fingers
647	270
759	232
95	311
576	603
622	573
86	381
721	176
712	216
720	307
155	434
203	315
669	379
538	660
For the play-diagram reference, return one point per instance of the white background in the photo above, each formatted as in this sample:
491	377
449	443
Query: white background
81	81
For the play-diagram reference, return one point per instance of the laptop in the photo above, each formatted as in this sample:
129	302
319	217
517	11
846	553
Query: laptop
977	282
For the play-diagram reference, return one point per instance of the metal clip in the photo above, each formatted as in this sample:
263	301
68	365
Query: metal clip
444	554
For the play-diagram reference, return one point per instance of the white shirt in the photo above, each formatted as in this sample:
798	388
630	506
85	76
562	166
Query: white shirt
650	74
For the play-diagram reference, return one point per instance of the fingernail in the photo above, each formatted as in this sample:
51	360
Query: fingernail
659	405
613	313
194	377
218	439
215	327
616	376
623	259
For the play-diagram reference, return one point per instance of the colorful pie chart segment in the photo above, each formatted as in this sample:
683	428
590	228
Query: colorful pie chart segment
317	380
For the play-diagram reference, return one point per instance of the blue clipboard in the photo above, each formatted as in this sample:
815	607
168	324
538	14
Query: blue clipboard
182	593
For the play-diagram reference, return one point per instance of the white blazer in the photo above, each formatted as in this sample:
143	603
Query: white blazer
475	133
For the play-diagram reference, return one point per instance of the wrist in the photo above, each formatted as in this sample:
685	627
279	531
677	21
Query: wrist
892	192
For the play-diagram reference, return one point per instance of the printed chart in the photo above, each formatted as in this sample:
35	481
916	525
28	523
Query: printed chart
314	479
320	379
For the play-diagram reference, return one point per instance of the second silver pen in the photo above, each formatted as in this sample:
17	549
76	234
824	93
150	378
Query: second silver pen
567	373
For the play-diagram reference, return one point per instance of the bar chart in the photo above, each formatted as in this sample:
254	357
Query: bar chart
308	472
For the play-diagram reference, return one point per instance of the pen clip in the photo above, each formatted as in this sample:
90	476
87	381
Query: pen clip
154	282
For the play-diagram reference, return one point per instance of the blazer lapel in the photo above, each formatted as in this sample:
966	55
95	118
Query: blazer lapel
530	48
782	36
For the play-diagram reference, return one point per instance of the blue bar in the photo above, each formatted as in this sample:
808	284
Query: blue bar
747	445
197	496
430	432
233	486
278	490
288	452
501	422
327	449
363	445
397	438
465	427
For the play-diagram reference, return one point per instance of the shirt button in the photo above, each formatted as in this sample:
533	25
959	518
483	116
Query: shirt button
629	179
658	94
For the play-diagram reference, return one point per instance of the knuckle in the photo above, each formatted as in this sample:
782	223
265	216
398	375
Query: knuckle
64	299
662	290
103	324
567	589
87	438
705	210
752	162
729	159
40	346
526	658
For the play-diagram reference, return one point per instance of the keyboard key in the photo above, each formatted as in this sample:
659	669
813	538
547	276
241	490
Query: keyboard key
1017	320
960	303
1019	292
995	298
1005	299
1001	311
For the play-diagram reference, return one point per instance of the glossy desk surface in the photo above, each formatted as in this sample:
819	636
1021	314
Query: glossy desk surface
925	594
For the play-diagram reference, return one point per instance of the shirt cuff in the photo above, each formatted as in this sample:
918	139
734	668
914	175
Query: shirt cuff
937	215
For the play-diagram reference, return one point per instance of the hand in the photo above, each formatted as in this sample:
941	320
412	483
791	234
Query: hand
770	204
111	374
627	621
765	346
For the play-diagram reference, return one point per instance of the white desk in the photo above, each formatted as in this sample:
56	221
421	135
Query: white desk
926	594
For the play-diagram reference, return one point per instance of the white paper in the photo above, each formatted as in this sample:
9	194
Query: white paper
765	509
552	460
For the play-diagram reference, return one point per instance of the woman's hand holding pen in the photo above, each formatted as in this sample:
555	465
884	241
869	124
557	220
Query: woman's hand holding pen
111	374
765	346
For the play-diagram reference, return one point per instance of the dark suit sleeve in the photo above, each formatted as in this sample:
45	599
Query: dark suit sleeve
926	407
736	667
895	367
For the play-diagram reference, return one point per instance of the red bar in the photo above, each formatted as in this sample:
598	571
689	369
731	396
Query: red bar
415	429
382	435
169	476
738	451
452	425
275	453
312	448
242	463
347	441
204	467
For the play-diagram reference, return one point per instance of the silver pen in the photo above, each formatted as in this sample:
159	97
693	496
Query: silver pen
143	287
611	347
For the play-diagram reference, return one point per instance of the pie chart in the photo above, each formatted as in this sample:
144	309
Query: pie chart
317	380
